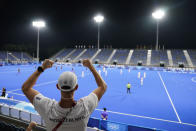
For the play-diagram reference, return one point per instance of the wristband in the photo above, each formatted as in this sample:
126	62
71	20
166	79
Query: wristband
40	69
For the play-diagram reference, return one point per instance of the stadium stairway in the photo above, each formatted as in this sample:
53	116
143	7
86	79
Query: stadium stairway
14	56
112	54
188	59
80	55
69	54
129	57
169	57
29	56
149	57
98	51
58	53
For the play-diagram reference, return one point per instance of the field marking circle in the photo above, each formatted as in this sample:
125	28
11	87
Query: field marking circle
193	79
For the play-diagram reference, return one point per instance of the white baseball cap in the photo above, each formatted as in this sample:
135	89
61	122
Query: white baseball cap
67	81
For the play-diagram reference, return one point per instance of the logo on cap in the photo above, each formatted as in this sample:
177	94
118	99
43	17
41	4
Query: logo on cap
65	82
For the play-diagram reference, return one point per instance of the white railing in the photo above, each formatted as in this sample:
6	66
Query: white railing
22	115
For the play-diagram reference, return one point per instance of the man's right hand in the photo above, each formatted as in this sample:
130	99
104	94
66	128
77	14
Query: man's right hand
87	63
31	126
47	64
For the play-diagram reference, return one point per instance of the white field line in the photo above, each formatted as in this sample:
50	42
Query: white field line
45	83
14	90
169	98
193	79
41	84
21	69
16	68
16	99
16	71
146	117
16	94
188	124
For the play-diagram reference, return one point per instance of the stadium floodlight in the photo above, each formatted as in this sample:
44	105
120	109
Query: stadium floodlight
158	15
98	19
38	25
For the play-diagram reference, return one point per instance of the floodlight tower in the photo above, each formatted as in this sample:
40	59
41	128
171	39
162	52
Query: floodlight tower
158	15
98	19
38	25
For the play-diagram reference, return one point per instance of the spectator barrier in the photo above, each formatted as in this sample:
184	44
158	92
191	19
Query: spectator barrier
9	107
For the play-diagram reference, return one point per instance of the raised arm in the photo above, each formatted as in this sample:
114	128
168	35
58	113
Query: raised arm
27	87
100	82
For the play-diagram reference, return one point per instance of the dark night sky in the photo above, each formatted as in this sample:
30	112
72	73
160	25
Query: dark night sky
126	23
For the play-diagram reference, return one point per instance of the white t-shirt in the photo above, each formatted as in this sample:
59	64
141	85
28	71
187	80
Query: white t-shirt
76	120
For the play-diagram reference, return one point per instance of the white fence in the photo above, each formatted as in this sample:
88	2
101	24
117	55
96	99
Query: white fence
26	116
20	114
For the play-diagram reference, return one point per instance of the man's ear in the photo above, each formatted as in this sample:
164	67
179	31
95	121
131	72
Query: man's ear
57	86
76	87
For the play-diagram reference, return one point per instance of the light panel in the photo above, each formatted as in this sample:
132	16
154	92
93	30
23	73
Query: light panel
158	14
99	18
39	24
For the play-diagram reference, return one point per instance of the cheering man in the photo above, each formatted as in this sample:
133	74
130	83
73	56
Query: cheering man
67	114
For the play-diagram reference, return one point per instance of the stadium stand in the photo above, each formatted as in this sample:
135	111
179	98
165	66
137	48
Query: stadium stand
18	55
120	56
3	55
103	55
156	57
75	54
21	56
138	55
192	54
15	56
55	55
11	57
88	54
27	57
62	54
159	56
178	57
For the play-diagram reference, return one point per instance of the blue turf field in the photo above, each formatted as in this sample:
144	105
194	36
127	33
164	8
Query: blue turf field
166	100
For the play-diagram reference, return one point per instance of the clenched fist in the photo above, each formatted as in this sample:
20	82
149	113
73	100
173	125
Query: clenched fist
31	126
87	63
47	64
